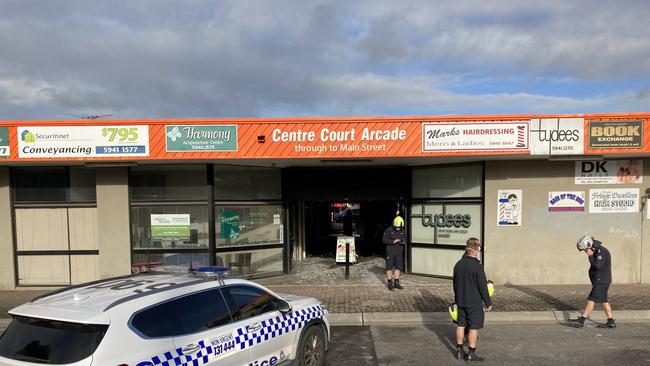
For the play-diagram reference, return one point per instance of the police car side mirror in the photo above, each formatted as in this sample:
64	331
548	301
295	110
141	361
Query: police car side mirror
284	307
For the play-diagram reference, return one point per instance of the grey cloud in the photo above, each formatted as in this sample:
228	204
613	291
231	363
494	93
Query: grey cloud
164	59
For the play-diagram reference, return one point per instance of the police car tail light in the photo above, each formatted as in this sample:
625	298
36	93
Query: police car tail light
212	272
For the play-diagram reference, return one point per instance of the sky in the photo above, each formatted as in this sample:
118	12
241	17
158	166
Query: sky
299	58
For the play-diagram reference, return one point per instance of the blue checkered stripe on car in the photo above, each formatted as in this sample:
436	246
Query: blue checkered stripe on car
277	326
271	328
177	358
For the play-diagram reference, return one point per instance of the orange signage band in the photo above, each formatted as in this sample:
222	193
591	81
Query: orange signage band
382	137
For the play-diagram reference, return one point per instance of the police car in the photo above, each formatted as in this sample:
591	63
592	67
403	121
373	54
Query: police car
162	318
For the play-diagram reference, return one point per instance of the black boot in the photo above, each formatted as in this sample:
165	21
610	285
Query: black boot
397	285
471	356
578	322
610	324
390	285
460	353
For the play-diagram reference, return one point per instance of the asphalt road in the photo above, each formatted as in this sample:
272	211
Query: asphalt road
512	344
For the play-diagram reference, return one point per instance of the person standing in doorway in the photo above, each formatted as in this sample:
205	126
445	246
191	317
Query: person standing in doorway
348	225
600	274
470	294
394	239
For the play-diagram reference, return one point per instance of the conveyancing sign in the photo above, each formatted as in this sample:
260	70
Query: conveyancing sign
200	138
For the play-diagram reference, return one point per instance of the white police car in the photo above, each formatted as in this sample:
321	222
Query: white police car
167	319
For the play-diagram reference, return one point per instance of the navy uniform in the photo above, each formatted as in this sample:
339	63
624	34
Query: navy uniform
600	275
600	272
395	251
470	292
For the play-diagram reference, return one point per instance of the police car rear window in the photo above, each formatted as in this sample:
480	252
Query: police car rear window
49	342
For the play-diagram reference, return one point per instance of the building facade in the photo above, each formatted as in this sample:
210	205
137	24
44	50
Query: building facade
83	200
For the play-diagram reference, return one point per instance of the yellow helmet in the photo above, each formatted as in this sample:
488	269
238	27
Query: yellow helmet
490	287
398	221
453	312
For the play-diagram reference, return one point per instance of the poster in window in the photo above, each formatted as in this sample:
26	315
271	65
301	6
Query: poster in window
230	225
170	226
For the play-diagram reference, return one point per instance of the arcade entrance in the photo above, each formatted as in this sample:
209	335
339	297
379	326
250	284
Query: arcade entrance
326	203
365	220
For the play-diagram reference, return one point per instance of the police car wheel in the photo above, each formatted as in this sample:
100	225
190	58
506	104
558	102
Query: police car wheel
312	347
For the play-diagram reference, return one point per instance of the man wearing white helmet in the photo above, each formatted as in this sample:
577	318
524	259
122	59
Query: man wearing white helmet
600	274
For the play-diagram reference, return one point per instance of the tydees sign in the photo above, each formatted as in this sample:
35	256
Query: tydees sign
445	223
557	136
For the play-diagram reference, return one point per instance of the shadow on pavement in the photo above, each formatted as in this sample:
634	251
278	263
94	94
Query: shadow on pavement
351	345
446	335
552	301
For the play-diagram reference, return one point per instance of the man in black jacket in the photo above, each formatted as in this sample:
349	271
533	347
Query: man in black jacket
600	274
470	293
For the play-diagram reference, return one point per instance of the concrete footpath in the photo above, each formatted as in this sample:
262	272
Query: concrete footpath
364	299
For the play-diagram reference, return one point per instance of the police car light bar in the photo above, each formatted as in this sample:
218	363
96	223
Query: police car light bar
212	272
171	269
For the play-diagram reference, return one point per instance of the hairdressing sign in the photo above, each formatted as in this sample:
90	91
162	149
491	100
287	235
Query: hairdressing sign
170	226
609	172
566	201
461	136
82	141
613	200
4	142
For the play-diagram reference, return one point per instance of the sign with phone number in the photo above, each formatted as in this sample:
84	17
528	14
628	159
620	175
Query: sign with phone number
82	141
4	142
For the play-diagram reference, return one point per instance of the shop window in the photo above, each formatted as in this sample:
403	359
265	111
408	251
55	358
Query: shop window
458	181
259	262
56	246
169	227
53	184
246	183
169	182
447	224
246	225
148	261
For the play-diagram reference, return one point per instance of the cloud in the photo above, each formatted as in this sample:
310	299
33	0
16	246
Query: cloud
166	59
